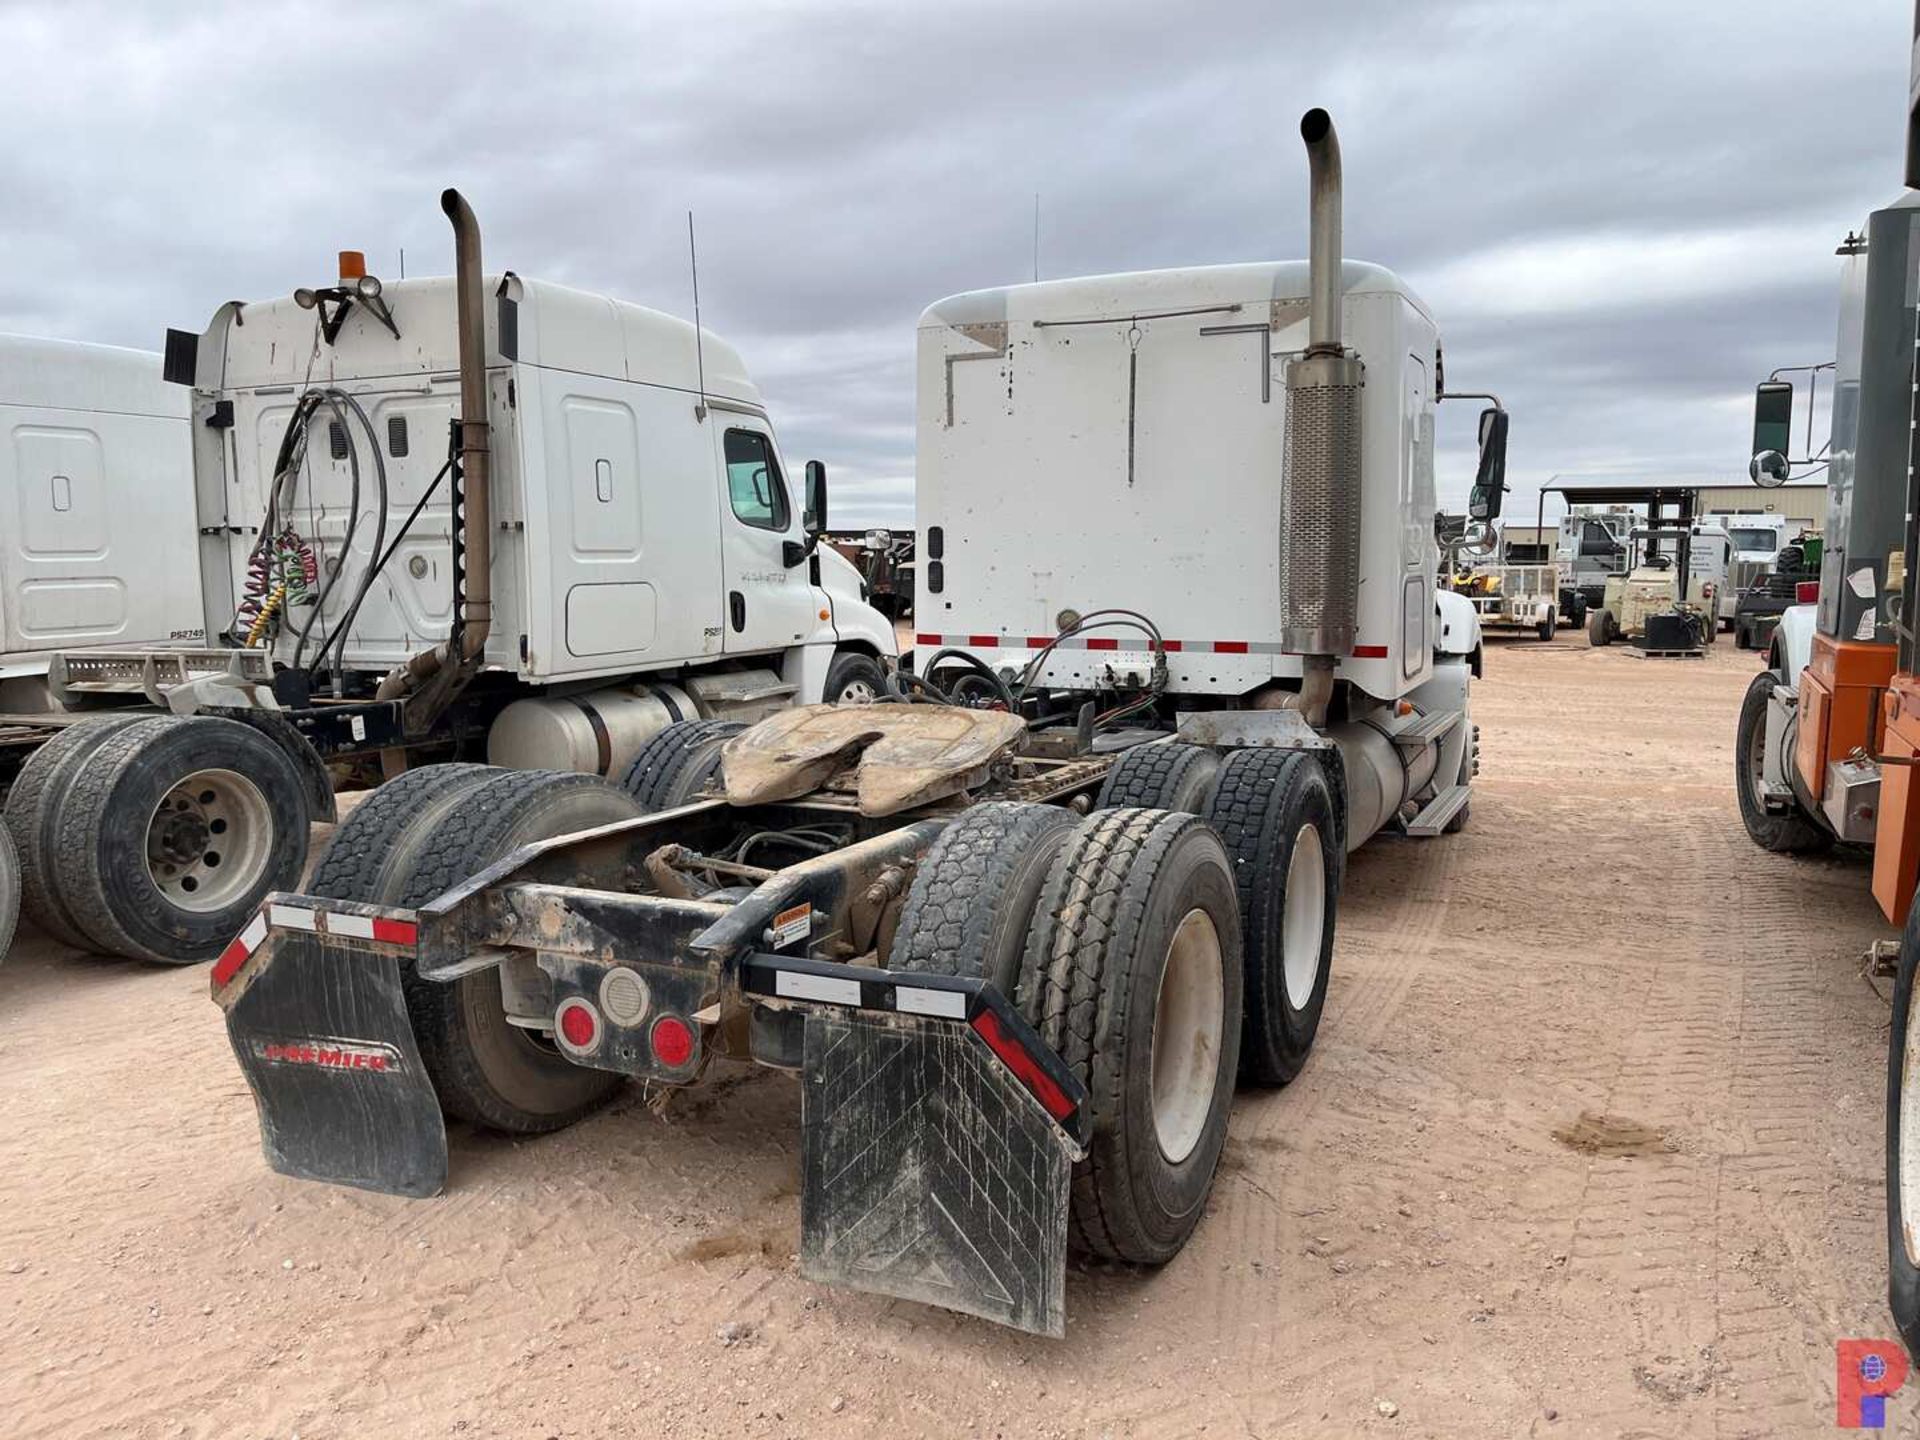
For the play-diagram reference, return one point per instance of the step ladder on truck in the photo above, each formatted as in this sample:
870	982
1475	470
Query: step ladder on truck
439	519
1022	923
1828	735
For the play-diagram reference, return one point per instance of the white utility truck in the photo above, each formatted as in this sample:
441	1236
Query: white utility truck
446	517
1757	539
1021	923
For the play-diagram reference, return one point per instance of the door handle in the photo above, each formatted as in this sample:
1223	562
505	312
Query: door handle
737	610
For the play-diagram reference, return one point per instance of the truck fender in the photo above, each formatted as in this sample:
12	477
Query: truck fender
1456	624
313	770
1793	642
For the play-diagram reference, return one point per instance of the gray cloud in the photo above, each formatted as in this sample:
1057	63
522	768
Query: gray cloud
1623	213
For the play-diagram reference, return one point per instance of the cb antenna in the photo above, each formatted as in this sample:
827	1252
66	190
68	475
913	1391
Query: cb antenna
699	347
1036	237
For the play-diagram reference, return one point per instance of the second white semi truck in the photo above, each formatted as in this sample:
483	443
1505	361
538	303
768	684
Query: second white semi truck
482	516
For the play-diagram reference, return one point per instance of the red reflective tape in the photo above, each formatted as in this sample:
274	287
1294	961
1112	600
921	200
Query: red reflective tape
984	642
926	639
1229	647
396	932
1103	642
1171	647
1369	652
1039	642
1025	1068
229	963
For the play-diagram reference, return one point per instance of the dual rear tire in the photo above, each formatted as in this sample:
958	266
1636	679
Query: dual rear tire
417	837
1160	954
156	837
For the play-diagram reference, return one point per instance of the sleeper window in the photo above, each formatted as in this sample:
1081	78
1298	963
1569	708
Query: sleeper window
753	481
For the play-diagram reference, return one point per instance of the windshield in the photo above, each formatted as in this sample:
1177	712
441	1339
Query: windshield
1745	539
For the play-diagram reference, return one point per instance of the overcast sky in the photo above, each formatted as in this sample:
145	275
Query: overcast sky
1624	214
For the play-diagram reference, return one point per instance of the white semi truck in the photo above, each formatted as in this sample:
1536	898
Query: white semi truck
1021	923
96	487
96	484
440	518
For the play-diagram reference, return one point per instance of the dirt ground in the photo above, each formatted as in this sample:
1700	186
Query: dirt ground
1590	1145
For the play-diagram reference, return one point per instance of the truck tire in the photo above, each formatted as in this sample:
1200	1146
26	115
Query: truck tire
1547	626
972	901
1132	976
171	833
677	763
9	890
351	866
33	808
854	679
1903	1142
1599	627
485	1070
1793	832
1275	811
1167	775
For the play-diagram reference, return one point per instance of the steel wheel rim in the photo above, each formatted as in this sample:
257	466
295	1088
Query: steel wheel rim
1757	761
1189	1018
209	840
1303	921
857	692
1908	1167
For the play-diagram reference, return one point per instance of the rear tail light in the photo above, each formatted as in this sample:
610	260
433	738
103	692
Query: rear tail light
1014	1056
578	1024
672	1041
1807	592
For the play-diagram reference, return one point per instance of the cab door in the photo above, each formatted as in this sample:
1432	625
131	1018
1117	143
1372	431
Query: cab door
770	602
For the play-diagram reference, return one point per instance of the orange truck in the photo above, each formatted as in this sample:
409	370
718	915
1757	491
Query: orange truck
1829	732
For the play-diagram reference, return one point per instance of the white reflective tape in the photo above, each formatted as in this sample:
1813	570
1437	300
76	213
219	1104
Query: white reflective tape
948	1004
292	917
360	927
795	986
255	932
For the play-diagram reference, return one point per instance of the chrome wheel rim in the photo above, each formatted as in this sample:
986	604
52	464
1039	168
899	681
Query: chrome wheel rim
209	840
1303	923
1189	1017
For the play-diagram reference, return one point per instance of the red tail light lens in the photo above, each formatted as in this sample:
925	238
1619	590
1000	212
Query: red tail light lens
1807	592
672	1041
579	1026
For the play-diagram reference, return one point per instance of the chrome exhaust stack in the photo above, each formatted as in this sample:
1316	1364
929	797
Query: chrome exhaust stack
476	453
430	679
1320	501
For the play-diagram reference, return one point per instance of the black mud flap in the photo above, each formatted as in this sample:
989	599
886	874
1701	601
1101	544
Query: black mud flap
321	1032
929	1173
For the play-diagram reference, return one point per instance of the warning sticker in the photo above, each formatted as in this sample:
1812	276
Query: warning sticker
791	924
1869	617
1861	582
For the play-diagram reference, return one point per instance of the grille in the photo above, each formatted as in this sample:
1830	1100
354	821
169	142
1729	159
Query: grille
1320	506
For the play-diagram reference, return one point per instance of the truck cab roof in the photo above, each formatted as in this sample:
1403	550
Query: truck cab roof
43	374
531	322
1283	283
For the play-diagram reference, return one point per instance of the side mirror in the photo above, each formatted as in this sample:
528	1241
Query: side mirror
1490	481
814	518
1772	425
